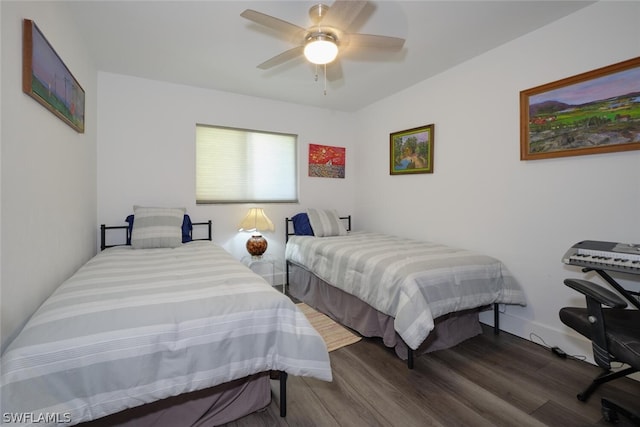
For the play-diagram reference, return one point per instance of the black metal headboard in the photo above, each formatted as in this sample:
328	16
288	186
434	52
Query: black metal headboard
104	228
289	232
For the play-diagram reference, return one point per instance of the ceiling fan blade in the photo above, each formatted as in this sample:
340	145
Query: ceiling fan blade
282	58
342	13
373	41
286	28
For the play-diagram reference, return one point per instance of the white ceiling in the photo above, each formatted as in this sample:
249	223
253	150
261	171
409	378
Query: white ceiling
207	44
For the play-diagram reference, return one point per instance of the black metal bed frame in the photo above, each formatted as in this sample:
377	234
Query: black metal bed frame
282	375
104	228
288	233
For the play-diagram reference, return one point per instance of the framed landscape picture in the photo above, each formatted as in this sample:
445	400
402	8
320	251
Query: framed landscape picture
48	80
593	112
411	151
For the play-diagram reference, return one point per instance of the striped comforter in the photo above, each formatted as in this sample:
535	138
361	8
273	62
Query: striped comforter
412	281
135	326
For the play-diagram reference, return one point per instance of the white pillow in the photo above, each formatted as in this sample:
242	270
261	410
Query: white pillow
326	223
156	227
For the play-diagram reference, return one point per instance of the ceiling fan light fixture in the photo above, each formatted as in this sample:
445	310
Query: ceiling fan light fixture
320	48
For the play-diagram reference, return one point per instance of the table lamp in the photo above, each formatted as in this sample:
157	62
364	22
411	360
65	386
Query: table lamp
256	221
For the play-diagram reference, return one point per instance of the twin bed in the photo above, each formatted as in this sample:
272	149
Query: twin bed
417	296
159	332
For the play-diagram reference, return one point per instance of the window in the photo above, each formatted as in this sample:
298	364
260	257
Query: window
240	166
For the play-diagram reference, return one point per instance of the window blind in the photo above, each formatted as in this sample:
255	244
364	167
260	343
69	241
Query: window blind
242	166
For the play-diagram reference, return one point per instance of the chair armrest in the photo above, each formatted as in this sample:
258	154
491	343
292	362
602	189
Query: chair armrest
597	292
597	297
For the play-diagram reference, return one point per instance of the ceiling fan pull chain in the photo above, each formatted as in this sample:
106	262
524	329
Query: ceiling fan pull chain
325	79
316	76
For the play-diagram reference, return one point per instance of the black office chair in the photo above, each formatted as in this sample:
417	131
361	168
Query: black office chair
615	335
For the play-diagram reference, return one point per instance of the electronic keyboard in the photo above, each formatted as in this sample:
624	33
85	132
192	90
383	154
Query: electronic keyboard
623	257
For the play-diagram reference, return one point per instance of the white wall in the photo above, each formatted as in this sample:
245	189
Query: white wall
146	152
481	196
48	207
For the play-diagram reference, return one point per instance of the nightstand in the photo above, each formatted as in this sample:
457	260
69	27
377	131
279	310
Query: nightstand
266	266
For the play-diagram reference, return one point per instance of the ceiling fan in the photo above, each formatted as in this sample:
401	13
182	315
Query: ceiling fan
326	37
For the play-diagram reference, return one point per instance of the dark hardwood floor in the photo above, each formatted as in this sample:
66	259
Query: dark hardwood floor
488	380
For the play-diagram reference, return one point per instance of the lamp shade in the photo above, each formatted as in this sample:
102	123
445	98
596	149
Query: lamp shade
256	220
321	49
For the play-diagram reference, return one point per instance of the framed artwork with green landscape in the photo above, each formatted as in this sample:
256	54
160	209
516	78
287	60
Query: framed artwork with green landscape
48	80
593	112
411	151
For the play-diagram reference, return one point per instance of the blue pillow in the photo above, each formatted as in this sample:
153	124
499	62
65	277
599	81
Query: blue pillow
301	225
186	228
